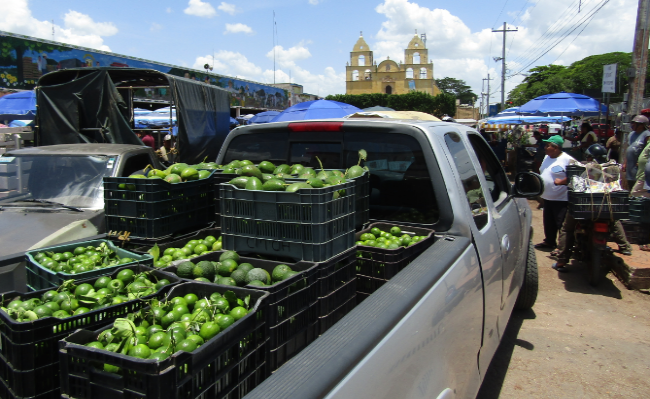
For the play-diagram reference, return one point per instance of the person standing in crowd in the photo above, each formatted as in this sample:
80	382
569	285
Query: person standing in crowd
636	141
613	145
556	197
147	139
167	151
587	136
638	189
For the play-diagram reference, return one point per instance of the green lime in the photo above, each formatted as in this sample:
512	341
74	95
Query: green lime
102	282
125	276
178	300
395	230
221	304
141	351
226	267
81	310
226	321
210	239
186	345
159	339
200	248
209	330
238	312
49	296
196	338
190	299
52	305
43	311
162	283
159	264
159	356
61	314
169	251
95	344
154	328
83	289
168	319
70	305
79	250
214	296
217	246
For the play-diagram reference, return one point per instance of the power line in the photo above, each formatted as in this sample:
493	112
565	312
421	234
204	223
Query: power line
584	20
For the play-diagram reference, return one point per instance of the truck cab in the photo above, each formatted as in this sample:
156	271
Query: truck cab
55	194
432	330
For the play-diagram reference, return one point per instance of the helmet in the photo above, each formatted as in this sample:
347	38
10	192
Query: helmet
640	119
597	152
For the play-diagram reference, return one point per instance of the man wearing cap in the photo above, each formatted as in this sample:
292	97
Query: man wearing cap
635	144
167	152
556	198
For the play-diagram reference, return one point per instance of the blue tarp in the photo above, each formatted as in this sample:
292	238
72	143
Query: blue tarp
263	117
318	109
566	104
21	105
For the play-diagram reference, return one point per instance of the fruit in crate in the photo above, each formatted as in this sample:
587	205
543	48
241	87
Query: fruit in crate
182	323
394	238
191	249
81	259
72	299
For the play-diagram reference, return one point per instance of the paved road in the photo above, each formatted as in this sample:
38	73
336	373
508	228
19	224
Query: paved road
577	342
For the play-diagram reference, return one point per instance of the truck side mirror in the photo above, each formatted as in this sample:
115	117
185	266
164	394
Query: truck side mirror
528	185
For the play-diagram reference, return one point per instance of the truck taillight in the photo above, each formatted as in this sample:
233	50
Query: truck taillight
315	127
601	227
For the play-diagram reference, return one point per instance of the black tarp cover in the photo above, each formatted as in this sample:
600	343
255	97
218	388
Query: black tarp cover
83	105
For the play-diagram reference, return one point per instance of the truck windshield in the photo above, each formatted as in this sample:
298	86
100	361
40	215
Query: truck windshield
73	181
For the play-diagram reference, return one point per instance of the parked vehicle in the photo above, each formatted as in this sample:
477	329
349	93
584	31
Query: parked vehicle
433	329
602	130
55	194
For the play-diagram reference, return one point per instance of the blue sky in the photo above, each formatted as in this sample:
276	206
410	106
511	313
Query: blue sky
314	37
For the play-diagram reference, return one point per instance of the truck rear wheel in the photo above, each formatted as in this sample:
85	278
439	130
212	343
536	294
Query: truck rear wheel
528	293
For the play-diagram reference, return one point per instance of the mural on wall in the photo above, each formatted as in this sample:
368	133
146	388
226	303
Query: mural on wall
23	60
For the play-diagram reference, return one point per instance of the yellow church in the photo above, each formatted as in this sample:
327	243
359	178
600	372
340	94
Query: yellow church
364	75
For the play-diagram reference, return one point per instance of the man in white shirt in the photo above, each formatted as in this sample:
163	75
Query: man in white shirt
636	142
556	197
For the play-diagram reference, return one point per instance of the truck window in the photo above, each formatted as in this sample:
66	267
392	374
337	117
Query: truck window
136	163
306	153
469	178
400	184
497	181
258	147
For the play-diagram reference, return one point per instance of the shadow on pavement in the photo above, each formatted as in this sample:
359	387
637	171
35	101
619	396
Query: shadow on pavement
576	281
496	372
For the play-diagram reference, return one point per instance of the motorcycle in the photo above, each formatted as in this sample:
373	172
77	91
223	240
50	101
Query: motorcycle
591	243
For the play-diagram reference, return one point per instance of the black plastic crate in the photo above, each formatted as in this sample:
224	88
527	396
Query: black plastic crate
337	272
158	209
308	205
119	187
574	170
6	393
32	382
338	297
612	206
30	345
640	209
636	233
40	278
302	232
217	179
228	366
319	252
399	254
326	322
163	226
362	213
138	244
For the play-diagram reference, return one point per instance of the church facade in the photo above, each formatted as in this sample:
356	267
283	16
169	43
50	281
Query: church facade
364	75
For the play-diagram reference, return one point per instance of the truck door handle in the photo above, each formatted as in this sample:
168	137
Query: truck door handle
505	243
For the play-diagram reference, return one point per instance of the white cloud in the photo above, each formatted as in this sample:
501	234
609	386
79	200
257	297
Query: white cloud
228	8
461	53
155	27
314	2
169	10
79	29
230	63
286	58
238	28
199	8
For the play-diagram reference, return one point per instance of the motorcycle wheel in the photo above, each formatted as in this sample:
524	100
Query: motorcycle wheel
594	273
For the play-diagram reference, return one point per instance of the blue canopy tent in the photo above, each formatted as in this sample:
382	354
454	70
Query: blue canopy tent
563	104
263	117
525	120
318	109
234	121
21	105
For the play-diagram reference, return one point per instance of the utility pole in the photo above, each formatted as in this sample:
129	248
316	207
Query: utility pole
487	107
503	63
639	58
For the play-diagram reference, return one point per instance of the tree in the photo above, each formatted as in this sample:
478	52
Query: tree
458	88
413	101
584	76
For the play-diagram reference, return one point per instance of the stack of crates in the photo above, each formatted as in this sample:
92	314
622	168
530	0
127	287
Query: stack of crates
29	359
229	365
310	224
154	208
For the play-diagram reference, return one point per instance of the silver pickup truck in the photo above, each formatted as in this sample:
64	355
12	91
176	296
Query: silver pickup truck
432	330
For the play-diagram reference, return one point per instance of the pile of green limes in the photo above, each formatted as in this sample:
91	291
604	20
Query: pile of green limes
182	323
81	259
392	239
71	299
191	249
